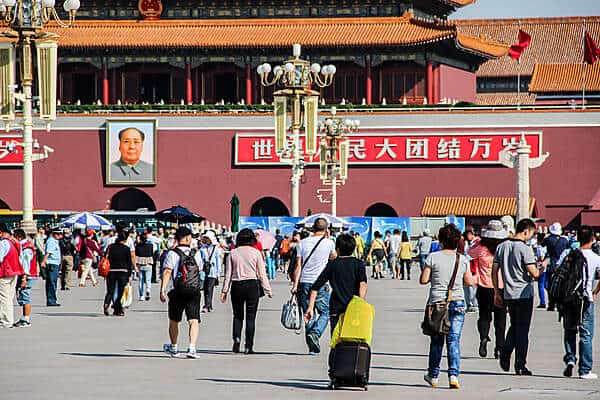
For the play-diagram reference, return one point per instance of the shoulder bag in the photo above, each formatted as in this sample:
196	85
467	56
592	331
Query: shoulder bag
104	265
437	315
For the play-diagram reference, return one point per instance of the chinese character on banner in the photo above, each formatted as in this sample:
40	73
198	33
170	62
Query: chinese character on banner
386	148
449	149
357	149
510	144
417	149
483	144
262	149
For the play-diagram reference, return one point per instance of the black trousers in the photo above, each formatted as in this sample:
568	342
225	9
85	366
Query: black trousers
119	280
404	264
487	309
209	289
244	297
153	278
517	338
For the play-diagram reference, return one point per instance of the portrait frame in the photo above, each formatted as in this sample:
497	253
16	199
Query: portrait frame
115	169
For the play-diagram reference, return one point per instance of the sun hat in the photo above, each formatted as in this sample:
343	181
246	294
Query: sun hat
494	230
556	229
509	223
426	232
210	235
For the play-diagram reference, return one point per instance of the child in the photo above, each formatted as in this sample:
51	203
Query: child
346	275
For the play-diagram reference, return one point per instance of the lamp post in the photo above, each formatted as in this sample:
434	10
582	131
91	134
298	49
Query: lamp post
334	152
296	77
26	19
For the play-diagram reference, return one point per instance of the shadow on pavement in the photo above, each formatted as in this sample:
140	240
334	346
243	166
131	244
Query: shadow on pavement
425	356
284	384
112	355
483	373
225	352
71	314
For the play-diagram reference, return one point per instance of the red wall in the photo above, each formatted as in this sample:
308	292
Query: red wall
195	170
457	84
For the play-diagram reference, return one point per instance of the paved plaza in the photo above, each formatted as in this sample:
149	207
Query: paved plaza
74	352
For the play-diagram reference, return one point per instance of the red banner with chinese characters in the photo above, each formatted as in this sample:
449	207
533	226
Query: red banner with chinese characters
400	148
11	152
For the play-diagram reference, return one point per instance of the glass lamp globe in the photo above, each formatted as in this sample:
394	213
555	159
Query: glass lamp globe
71	5
289	67
48	3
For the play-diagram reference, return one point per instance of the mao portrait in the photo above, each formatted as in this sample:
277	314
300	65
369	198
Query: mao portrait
131	152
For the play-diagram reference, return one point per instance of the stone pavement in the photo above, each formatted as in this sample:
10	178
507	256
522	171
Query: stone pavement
74	352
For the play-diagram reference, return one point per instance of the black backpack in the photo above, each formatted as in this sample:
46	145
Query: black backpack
189	279
569	279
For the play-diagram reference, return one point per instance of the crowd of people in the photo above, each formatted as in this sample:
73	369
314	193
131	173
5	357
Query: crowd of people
491	272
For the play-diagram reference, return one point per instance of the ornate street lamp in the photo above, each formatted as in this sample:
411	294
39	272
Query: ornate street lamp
296	77
334	152
26	20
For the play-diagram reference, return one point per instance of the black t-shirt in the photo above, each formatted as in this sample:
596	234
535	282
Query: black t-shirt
344	275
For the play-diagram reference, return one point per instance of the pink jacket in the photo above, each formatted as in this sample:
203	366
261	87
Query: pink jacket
246	263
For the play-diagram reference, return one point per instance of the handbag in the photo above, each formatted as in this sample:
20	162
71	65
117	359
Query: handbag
291	317
437	315
104	265
127	297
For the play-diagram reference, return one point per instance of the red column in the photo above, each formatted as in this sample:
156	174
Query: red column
248	84
368	81
188	83
429	82
105	91
436	84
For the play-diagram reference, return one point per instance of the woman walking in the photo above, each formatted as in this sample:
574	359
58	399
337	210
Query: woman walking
482	256
211	254
246	277
377	254
144	257
405	256
439	268
121	266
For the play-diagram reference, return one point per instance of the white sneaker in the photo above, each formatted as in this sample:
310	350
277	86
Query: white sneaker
589	375
433	382
141	298
453	382
192	354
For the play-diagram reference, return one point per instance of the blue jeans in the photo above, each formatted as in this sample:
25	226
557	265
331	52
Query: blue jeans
422	259
542	288
457	320
586	335
145	281
318	324
51	283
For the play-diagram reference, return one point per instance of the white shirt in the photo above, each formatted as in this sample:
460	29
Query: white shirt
4	248
130	242
593	265
172	260
317	262
395	244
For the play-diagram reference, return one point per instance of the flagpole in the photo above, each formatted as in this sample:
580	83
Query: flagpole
583	67
519	77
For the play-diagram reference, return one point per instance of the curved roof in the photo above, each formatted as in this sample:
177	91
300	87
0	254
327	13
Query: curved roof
270	33
552	78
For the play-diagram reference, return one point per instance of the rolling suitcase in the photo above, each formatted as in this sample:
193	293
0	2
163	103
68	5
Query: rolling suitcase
349	365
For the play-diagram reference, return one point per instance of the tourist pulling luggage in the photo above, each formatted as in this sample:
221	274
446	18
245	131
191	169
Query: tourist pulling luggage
350	355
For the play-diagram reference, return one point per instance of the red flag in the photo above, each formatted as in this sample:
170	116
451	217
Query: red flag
591	53
516	50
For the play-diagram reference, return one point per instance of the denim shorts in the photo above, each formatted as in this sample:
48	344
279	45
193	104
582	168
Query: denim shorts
24	294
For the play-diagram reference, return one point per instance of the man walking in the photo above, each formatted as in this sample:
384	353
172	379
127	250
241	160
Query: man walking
178	300
25	281
51	264
519	268
555	245
394	253
313	254
67	250
10	269
424	246
579	317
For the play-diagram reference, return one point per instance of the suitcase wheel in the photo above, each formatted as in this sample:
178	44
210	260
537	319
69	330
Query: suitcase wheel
366	387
